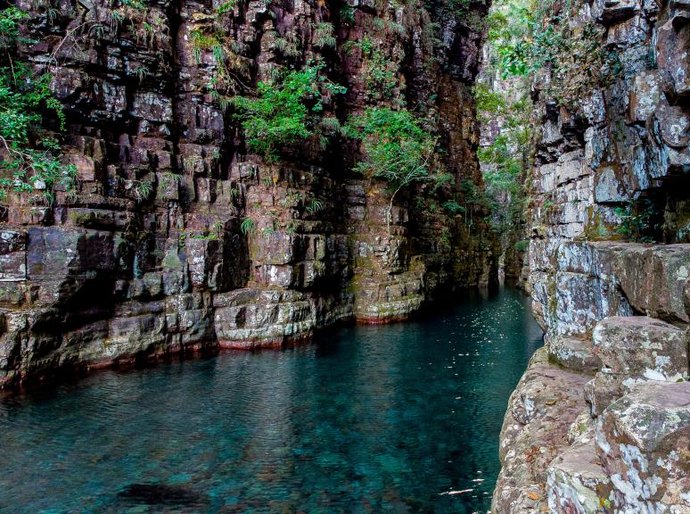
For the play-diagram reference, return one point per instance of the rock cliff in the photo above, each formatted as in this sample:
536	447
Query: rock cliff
600	421
178	238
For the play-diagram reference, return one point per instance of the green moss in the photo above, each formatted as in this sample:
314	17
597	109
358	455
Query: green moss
172	261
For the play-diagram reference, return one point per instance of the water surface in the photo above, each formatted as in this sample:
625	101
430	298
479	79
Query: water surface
401	418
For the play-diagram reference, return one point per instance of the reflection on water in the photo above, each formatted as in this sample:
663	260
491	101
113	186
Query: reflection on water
401	418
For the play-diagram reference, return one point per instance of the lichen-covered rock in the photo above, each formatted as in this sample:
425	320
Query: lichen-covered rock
572	353
643	440
642	347
577	482
610	165
541	410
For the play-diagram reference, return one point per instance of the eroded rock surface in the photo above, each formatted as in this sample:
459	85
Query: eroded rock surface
611	166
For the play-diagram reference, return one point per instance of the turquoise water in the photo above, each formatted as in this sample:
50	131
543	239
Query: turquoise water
371	419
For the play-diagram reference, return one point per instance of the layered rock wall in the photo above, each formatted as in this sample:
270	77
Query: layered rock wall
600	421
178	239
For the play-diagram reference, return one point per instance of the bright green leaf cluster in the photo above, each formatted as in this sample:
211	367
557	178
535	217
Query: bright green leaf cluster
30	160
396	147
285	111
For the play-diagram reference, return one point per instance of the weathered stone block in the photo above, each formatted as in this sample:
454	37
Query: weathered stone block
541	410
644	96
603	390
577	482
642	347
573	353
643	440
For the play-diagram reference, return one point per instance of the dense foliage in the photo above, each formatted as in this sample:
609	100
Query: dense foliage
504	108
522	42
396	147
285	110
528	36
30	157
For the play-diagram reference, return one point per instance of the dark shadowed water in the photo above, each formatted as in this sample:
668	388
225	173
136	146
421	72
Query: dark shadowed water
401	418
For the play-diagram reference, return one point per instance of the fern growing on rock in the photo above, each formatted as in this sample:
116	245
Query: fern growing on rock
30	157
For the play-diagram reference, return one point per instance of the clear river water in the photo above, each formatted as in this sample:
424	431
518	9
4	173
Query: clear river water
401	418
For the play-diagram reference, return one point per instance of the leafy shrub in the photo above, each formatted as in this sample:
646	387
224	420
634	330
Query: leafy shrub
285	111
396	148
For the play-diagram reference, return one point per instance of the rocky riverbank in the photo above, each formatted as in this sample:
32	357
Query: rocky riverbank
600	422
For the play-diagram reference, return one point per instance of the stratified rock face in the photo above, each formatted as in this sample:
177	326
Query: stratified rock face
601	358
178	239
616	314
617	157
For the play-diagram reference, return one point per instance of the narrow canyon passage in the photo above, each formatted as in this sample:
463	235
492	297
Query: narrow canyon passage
400	418
181	178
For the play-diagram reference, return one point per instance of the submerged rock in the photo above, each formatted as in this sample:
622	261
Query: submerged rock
163	495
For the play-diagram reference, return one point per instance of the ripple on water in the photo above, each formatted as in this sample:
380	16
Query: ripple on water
402	418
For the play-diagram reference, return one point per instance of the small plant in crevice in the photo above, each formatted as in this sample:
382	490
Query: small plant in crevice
640	221
347	15
522	245
142	189
315	205
225	7
288	45
324	35
247	226
453	208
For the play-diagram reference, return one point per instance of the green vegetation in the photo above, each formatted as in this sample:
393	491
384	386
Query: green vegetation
147	26
31	160
522	42
396	147
530	38
324	35
347	15
247	226
225	7
202	41
285	111
503	102
315	205
640	221
528	35
379	71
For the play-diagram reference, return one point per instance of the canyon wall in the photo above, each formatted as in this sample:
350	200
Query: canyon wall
178	239
600	422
